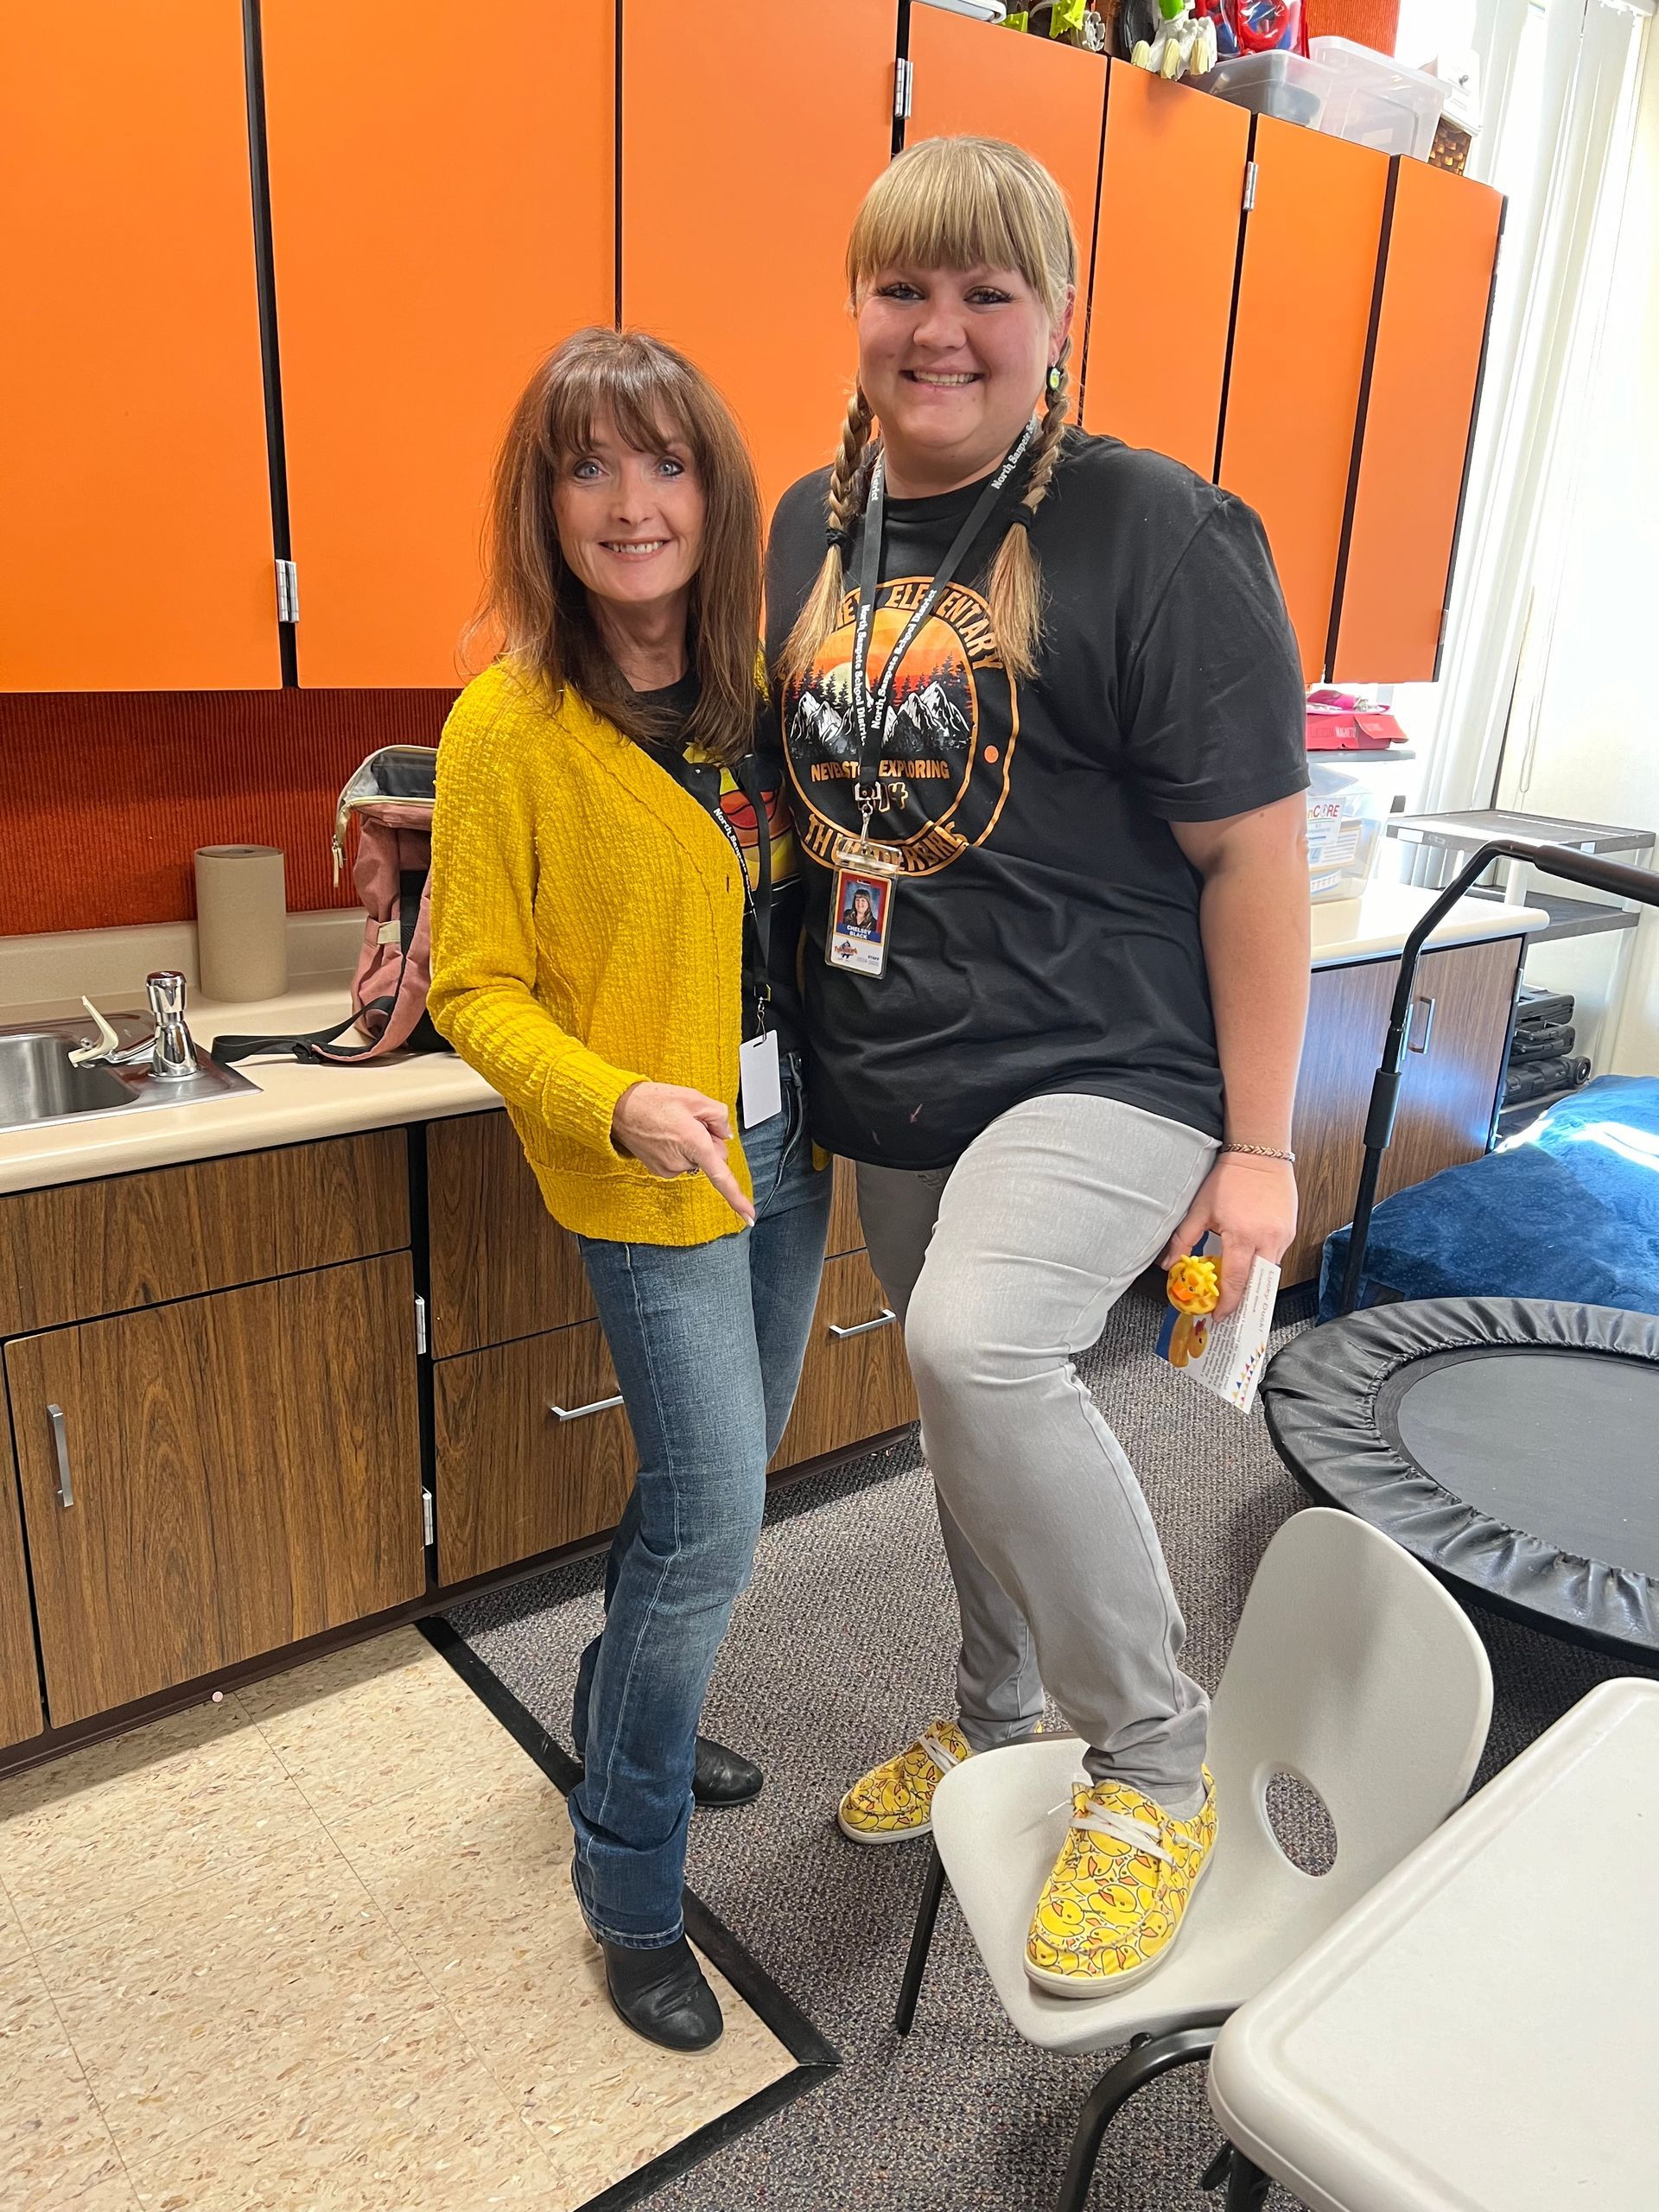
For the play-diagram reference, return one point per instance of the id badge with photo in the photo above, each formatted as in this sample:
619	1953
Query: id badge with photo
861	921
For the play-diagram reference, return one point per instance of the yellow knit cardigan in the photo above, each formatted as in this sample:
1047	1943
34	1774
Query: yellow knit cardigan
587	934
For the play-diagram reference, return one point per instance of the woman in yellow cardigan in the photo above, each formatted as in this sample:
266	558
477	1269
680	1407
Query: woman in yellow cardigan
615	911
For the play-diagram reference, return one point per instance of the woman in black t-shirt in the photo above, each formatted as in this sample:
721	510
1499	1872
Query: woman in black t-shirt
1076	759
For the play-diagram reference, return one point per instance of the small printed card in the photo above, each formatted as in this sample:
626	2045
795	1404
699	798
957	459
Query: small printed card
1226	1357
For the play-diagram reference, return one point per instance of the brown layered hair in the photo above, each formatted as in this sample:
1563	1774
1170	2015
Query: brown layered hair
957	204
538	610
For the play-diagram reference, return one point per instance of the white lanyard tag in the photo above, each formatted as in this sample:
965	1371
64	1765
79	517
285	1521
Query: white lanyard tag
760	1079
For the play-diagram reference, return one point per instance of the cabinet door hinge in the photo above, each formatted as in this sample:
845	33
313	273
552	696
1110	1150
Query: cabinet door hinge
1250	173
288	592
901	88
420	1325
429	1519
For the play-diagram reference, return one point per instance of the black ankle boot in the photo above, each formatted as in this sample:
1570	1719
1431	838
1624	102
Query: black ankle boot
723	1777
663	1996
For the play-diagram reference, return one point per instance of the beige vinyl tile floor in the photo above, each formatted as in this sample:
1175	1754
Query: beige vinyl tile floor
313	1949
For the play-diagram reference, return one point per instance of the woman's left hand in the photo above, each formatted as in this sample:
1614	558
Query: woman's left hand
1250	1204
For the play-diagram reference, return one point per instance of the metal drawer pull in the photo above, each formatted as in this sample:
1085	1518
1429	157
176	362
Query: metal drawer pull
580	1412
60	1445
1427	1005
863	1328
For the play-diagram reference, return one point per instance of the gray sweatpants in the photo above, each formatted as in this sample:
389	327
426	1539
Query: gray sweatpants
1003	1269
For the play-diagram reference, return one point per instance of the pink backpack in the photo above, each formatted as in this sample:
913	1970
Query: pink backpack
392	795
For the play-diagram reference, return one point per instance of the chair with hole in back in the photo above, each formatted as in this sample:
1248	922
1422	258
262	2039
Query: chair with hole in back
1354	1672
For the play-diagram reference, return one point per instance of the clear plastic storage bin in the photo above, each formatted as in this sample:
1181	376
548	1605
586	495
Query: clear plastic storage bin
1375	102
1273	84
1344	819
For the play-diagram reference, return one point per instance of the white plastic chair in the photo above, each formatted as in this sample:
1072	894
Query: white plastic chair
1352	1670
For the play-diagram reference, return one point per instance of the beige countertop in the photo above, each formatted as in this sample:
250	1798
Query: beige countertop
294	1104
1375	927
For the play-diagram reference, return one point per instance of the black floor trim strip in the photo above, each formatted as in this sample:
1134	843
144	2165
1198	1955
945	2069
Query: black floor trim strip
815	2059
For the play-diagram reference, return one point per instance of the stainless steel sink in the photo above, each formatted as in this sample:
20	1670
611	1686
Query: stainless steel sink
39	1084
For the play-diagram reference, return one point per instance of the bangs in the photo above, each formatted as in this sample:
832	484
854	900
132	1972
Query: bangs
966	203
641	389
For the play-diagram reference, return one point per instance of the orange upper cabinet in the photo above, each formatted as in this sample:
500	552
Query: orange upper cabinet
1306	284
136	548
1431	327
1172	195
980	78
746	149
443	185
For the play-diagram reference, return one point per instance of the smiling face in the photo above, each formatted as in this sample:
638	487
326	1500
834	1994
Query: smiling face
630	523
953	362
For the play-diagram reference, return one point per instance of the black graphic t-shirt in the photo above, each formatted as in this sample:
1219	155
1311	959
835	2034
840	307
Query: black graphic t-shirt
1045	934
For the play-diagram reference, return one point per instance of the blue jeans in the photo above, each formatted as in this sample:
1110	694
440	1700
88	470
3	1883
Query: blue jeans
708	1341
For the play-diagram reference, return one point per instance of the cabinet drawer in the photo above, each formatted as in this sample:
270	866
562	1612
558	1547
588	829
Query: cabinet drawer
83	1249
515	1476
501	1265
854	1384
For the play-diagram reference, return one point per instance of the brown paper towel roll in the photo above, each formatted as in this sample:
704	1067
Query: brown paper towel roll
241	922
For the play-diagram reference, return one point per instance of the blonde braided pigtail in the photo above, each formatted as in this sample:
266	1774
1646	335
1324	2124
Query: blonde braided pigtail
1016	586
849	485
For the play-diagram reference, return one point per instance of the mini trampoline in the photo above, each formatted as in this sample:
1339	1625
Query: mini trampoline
1511	1444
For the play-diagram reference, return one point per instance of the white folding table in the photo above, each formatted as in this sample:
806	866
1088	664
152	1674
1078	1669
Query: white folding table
1480	2033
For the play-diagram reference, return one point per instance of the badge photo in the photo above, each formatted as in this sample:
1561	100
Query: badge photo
859	922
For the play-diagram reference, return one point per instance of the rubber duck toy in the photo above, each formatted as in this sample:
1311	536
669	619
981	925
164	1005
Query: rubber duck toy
1194	1286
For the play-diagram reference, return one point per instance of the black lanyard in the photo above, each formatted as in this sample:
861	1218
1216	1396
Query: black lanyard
870	707
757	897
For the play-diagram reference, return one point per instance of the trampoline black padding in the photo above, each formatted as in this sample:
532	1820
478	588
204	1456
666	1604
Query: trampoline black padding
1510	1444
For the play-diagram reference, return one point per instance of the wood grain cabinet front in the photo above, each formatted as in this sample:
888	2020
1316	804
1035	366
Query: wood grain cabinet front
78	1250
855	1381
20	1689
533	1450
217	1478
1459	1036
501	1265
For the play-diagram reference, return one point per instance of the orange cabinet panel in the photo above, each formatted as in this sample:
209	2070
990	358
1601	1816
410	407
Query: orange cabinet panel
1306	280
442	184
744	158
979	78
1430	329
1172	190
135	548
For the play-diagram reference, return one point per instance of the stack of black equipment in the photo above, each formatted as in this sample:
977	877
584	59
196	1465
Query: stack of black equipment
1542	1063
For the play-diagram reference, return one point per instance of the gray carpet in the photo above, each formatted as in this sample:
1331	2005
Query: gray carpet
841	1649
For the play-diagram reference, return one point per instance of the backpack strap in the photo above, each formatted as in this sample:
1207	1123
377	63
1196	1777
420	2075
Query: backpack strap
228	1050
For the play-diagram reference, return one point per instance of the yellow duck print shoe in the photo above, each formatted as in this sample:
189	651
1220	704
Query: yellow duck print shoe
894	1801
1114	1905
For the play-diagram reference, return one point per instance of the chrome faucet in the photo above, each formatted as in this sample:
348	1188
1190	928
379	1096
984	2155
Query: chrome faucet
169	1048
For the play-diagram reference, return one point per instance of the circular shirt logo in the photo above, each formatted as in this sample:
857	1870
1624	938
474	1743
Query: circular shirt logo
949	697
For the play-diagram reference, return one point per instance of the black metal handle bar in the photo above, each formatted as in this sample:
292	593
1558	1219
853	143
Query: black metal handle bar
1638	883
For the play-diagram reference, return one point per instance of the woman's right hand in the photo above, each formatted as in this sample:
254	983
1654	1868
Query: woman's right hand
674	1131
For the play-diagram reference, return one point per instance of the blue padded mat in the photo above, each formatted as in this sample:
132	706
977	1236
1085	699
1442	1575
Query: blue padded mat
1568	1209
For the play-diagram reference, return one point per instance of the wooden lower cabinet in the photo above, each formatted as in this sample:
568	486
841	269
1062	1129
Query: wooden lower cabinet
501	1267
1459	1035
855	1381
20	1690
846	1229
531	1452
223	1475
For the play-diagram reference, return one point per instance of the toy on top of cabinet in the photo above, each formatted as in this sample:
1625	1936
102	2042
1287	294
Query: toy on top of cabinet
1187	38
